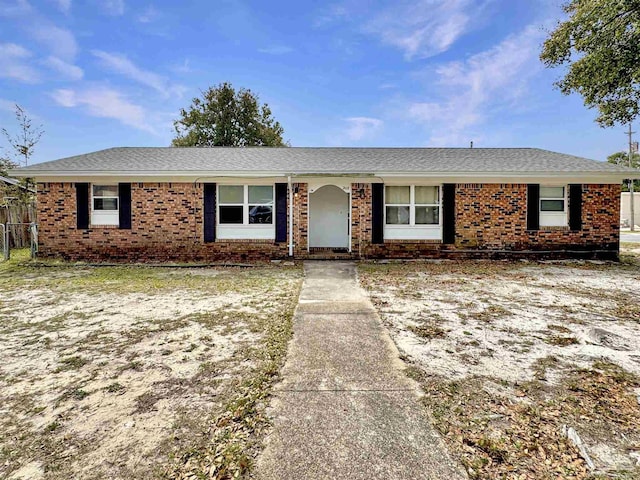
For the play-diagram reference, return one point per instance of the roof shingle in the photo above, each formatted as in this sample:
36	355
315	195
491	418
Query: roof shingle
307	160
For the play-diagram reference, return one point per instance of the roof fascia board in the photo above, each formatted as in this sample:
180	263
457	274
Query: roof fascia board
444	177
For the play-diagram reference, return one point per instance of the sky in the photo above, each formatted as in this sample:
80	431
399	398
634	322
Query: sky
423	73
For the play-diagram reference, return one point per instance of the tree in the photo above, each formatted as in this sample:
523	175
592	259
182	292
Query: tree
600	43
5	166
622	159
226	117
27	137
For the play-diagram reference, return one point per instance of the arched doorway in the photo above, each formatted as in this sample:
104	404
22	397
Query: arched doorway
329	218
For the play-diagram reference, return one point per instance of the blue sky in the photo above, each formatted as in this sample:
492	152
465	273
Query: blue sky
104	73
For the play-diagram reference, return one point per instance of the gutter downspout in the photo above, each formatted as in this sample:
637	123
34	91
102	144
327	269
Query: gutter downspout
290	216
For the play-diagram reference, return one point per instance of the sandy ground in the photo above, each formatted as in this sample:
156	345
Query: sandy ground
104	373
523	311
499	326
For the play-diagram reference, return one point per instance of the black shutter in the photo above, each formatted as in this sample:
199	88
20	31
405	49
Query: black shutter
377	212
209	212
82	205
449	213
281	212
533	206
124	207
575	207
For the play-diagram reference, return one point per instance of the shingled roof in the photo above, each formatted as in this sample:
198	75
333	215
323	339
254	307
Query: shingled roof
309	160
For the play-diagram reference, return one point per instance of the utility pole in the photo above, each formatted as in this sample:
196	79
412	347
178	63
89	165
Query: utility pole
631	209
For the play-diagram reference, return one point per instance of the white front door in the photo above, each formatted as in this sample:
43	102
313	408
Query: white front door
329	218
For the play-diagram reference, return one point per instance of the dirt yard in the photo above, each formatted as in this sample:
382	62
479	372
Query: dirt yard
513	355
131	372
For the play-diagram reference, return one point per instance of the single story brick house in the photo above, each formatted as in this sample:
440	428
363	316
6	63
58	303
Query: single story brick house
260	203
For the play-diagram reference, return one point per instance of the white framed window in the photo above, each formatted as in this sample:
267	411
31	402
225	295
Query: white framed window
413	212
245	212
104	204
397	205
553	206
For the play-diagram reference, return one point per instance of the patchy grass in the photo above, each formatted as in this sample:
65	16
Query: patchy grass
428	331
561	341
114	388
542	365
529	349
71	363
519	431
234	436
130	372
628	310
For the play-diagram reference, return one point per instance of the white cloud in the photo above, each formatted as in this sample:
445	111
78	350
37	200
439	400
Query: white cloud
474	89
362	127
112	7
13	50
7	105
60	41
65	98
67	70
182	68
63	5
149	15
14	63
15	9
104	103
122	65
331	14
276	50
423	28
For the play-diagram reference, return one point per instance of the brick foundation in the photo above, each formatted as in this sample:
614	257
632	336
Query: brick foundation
167	225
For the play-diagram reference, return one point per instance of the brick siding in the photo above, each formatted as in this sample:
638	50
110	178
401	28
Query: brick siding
491	221
167	225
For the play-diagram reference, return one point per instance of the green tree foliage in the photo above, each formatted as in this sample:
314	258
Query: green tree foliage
600	43
622	159
22	145
23	142
226	117
5	166
14	192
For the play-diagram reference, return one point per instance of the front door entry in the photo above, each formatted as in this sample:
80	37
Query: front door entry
329	218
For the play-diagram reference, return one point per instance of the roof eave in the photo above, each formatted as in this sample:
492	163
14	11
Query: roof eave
603	175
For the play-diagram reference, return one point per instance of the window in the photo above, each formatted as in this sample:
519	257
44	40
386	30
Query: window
553	207
231	204
412	212
552	199
427	205
412	205
260	204
104	204
398	205
245	204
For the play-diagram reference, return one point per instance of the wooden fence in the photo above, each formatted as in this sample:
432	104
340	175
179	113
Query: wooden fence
19	235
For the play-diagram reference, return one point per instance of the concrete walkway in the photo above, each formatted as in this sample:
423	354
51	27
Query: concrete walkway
345	409
630	237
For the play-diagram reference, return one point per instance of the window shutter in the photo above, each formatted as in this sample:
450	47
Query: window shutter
281	212
575	207
124	206
82	206
533	206
209	212
377	212
449	213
